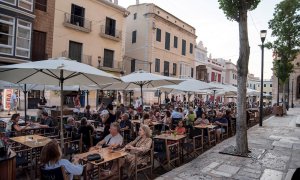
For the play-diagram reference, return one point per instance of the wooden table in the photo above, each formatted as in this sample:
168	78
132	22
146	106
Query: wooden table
32	141
106	154
204	126
171	137
8	166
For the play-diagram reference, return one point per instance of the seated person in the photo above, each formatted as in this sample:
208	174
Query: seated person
220	121
157	116
167	120
113	140
13	125
138	148
152	116
125	123
71	125
51	158
202	121
87	111
180	129
86	130
147	120
46	121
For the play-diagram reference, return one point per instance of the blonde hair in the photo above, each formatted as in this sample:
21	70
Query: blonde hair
147	130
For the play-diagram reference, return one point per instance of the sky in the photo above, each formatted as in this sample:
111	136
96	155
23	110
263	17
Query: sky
218	34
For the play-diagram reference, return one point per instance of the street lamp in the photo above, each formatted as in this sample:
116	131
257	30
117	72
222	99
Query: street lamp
278	59
293	92
263	34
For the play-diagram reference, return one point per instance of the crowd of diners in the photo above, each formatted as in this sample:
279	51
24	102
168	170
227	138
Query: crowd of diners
174	116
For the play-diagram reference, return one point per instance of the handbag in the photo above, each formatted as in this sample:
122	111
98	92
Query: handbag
94	157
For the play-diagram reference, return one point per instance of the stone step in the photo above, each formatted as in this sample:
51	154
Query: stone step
298	122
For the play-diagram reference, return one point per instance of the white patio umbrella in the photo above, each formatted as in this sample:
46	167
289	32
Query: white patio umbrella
141	79
188	85
60	71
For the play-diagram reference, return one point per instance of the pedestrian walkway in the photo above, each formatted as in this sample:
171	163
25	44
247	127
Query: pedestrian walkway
277	142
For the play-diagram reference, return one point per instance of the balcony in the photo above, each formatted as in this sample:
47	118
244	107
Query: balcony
86	59
77	22
115	34
115	66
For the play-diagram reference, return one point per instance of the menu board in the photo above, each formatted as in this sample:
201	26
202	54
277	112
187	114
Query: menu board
7	96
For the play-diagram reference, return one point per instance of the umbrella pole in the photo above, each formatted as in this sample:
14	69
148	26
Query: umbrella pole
61	108
25	101
142	95
87	97
130	93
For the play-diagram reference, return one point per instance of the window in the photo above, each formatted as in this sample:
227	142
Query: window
77	15
134	16
174	69
133	37
23	39
212	77
175	41
158	35
75	50
167	41
132	65
110	26
219	77
26	4
191	48
6	34
270	85
12	2
183	47
192	72
253	86
232	76
38	46
41	5
157	65
166	68
265	85
108	58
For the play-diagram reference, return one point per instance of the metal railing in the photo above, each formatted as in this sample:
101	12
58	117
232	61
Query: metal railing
110	33
114	65
77	22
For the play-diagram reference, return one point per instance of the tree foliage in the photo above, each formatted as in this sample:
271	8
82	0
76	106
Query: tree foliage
285	27
232	8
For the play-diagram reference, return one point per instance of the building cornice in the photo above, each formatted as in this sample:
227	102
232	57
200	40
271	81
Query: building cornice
154	15
115	6
17	11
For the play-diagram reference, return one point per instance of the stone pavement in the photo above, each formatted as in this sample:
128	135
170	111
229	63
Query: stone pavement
278	141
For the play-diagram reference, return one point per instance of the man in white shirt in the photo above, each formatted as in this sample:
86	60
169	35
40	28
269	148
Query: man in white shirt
113	139
13	103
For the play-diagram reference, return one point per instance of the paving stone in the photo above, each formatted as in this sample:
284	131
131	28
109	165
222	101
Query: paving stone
290	174
294	164
274	161
241	177
296	146
270	174
228	169
282	144
251	173
220	173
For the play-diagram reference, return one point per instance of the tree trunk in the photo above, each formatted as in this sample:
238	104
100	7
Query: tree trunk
283	99
242	68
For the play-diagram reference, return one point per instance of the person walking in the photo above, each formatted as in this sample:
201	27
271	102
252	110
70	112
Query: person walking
13	103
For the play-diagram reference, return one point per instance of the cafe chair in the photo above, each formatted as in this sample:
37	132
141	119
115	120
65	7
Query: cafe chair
193	145
251	120
143	167
57	173
73	145
224	135
23	157
211	136
160	152
173	156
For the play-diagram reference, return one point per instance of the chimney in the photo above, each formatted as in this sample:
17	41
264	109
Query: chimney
137	2
116	2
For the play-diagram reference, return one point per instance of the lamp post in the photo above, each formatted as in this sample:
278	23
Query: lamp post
263	34
278	59
293	92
